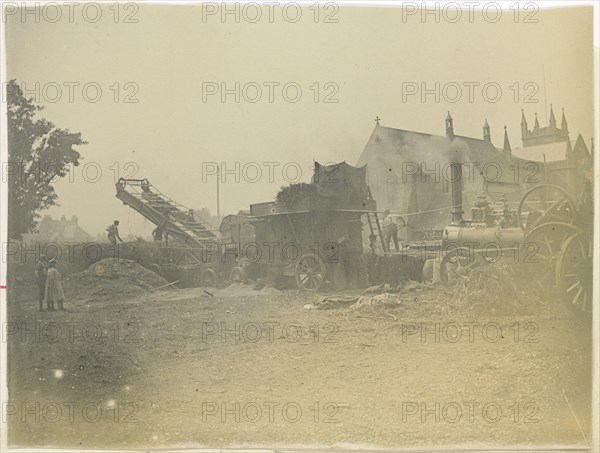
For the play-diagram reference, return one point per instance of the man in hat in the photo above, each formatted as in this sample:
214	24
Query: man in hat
390	230
41	269
54	289
113	233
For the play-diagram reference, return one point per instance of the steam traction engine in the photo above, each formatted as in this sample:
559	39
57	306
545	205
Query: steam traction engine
549	235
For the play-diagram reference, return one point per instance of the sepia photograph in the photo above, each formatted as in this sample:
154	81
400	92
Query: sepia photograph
299	226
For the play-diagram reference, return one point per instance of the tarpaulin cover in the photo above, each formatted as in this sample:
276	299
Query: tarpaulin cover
341	181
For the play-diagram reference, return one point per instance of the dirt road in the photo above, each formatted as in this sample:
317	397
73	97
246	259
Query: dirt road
243	368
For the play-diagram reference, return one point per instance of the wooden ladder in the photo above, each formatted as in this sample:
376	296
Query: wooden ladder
373	220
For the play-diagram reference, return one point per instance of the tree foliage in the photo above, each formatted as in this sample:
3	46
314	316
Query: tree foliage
39	154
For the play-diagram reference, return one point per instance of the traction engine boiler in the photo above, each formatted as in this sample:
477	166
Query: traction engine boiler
491	224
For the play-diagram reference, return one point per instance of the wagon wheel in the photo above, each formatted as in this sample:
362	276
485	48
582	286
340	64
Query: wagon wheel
457	262
310	272
540	249
209	278
548	202
237	275
574	269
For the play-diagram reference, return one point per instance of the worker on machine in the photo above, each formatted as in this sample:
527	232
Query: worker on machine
390	230
157	234
113	233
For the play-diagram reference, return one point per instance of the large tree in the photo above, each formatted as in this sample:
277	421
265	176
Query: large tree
39	154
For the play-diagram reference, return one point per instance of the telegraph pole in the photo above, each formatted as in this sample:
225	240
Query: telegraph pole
218	197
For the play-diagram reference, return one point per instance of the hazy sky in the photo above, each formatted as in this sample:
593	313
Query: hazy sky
367	58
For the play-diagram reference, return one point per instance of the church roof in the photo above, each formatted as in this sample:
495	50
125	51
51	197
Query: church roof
409	146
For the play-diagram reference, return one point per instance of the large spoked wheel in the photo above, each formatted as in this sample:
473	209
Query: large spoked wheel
574	272
540	249
458	262
310	272
545	241
545	203
237	275
209	278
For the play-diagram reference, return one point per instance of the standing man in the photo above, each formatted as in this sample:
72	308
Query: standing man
54	289
157	234
113	233
41	270
390	230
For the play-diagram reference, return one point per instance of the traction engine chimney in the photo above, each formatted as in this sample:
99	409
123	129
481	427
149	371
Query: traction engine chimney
456	182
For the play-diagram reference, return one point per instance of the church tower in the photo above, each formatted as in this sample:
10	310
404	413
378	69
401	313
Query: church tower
544	135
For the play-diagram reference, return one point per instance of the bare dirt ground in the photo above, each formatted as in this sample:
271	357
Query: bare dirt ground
164	374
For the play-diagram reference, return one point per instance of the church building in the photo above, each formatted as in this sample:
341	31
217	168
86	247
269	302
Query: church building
409	172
